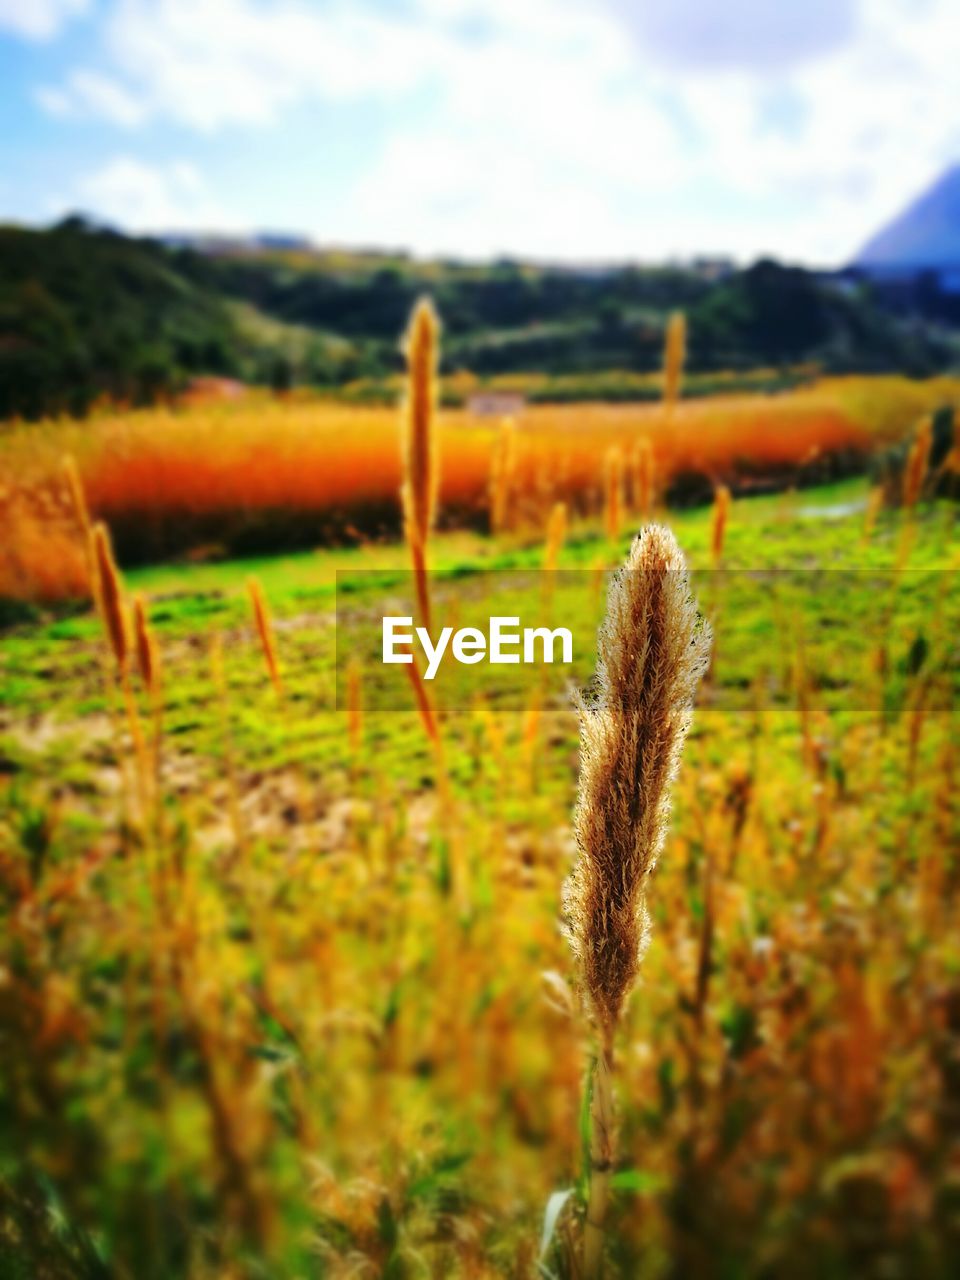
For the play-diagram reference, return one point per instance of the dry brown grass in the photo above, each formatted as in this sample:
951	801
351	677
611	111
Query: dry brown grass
653	650
419	490
165	480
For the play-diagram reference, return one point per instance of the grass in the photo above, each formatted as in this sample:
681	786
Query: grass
335	1037
263	474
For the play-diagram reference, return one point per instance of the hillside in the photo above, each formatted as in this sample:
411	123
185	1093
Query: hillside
87	312
925	236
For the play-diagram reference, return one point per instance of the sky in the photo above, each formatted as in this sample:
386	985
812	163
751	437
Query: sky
563	130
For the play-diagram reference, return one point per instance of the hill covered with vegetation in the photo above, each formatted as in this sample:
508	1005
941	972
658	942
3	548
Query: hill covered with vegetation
86	312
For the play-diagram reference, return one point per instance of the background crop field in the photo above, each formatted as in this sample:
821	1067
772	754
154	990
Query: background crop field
265	474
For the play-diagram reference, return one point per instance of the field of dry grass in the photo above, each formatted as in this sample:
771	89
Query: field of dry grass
264	474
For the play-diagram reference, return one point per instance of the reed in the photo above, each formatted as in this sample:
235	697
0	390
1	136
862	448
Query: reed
419	490
872	511
674	354
653	648
425	709
354	708
503	462
643	479
148	664
556	533
147	660
219	677
718	526
264	624
918	458
78	497
613	494
109	595
914	476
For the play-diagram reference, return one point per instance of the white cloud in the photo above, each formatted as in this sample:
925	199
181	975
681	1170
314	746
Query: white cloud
90	93
38	19
210	63
583	129
126	192
746	34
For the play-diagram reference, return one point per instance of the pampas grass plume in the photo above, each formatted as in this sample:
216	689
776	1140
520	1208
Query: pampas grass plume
653	650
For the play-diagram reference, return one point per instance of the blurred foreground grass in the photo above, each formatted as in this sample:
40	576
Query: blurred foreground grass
319	1025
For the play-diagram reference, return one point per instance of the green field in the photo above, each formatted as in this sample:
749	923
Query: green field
311	1016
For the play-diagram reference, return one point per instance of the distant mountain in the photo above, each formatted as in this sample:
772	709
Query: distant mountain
926	236
207	242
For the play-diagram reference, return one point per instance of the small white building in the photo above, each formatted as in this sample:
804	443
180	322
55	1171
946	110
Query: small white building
495	404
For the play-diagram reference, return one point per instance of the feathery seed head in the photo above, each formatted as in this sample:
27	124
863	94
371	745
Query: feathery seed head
916	467
109	593
78	498
146	646
653	649
419	409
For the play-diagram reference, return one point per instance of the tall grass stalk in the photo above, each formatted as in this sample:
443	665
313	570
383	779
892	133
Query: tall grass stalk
613	495
653	649
914	475
419	491
674	355
109	597
264	625
78	501
718	526
556	533
148	664
643	479
503	462
354	709
218	675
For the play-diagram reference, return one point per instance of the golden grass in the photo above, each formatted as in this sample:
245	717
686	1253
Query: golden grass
264	625
419	490
162	478
613	494
653	650
674	354
109	595
718	528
